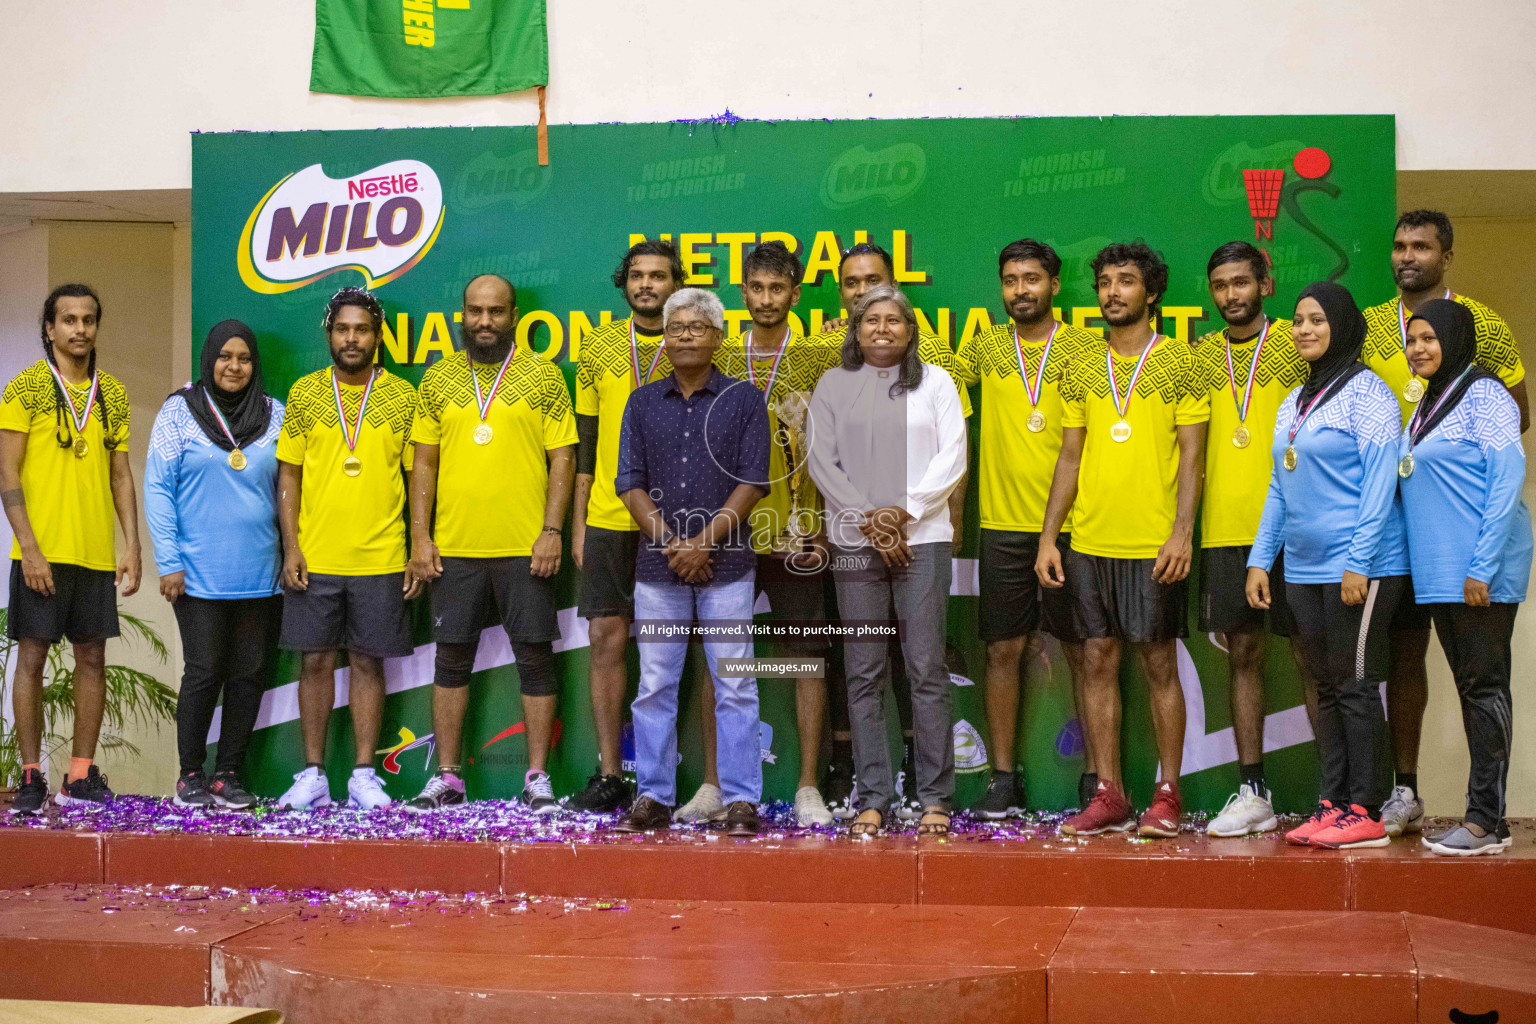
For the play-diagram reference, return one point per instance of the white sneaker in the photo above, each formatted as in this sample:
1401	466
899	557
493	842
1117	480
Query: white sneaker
1248	812
809	808
366	791
705	806
1403	812
310	790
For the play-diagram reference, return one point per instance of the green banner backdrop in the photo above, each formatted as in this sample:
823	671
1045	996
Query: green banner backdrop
280	220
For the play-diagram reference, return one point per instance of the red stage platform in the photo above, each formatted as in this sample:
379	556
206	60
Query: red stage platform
686	927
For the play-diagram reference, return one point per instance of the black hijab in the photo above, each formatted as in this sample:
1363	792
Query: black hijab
1457	332
247	411
1346	341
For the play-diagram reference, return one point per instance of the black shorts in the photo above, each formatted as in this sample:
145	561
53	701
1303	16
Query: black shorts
794	597
473	593
1409	614
83	606
1117	597
1013	603
1224	604
361	614
608	573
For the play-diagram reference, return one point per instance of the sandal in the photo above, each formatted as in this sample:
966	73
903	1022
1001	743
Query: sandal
864	826
928	827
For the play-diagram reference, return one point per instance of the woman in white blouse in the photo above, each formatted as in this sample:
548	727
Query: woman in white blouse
887	446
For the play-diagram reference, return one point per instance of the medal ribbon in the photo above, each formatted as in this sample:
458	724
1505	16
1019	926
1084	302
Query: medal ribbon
1253	371
351	436
1018	350
773	371
483	405
1302	416
1402	320
90	399
1114	385
1419	416
223	425
634	355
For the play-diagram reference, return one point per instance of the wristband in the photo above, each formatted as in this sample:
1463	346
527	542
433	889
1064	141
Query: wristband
552	529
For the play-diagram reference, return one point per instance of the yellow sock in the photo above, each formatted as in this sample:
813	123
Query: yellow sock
79	767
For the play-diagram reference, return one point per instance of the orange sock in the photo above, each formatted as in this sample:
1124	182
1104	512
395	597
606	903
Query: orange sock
79	767
38	765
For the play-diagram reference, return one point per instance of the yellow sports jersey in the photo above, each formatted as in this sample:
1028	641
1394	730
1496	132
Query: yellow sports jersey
803	362
1237	478
1127	491
350	525
931	349
69	498
605	376
490	497
1496	348
1017	462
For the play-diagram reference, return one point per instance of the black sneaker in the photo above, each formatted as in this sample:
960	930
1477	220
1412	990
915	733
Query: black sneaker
604	795
837	789
443	789
227	792
32	794
192	791
1004	799
88	794
537	794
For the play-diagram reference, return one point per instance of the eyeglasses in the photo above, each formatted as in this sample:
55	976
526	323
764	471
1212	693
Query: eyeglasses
677	330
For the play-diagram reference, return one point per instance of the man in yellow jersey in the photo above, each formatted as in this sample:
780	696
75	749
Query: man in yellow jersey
1021	365
496	452
63	471
791	550
615	359
1131	459
1247	370
341	498
863	266
1421	254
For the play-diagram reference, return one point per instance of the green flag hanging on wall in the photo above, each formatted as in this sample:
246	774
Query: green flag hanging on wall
423	49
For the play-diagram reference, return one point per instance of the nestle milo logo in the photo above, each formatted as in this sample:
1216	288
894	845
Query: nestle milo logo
1222	183
892	174
489	179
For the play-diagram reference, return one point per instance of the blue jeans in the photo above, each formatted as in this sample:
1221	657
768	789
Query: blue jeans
738	753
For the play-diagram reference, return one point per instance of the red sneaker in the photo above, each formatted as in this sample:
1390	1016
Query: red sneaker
1324	817
1354	828
1108	811
1162	818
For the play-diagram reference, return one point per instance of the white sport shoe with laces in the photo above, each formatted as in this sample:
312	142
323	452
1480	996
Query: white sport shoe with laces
706	805
1248	812
1403	812
310	790
810	809
365	790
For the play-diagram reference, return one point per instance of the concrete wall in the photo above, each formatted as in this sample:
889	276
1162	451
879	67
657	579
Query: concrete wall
103	96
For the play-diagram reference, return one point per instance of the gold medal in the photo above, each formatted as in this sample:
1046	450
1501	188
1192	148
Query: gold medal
483	434
1120	431
1405	466
1036	421
237	459
1413	390
1241	437
82	447
1290	457
351	466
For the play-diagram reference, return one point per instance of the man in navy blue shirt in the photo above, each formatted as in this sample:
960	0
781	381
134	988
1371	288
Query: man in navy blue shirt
693	461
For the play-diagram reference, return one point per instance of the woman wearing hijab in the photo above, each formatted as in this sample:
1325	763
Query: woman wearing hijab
1333	506
888	445
1462	469
211	500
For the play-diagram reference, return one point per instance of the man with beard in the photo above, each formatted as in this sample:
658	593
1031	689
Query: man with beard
1421	255
1021	366
495	448
341	492
1131	456
615	359
1247	369
863	266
